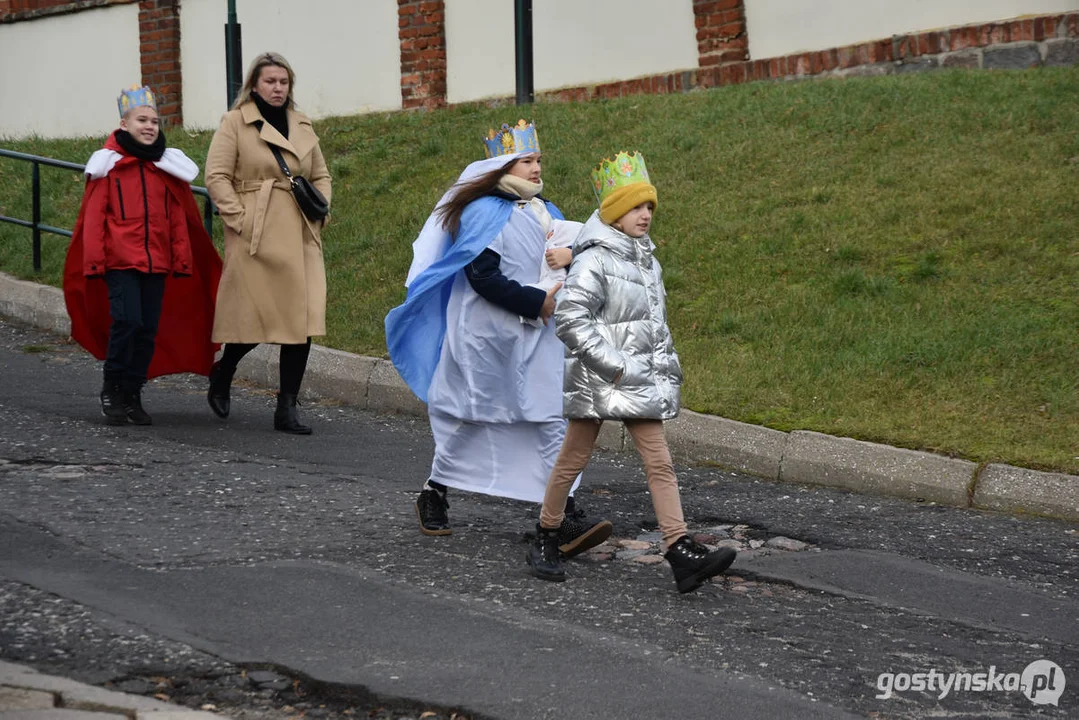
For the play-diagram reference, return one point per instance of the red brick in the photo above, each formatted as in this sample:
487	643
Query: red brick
830	59
1022	30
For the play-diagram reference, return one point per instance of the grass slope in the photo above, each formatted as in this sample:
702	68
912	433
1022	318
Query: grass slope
893	259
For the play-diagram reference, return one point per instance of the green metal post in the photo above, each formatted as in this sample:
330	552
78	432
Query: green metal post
233	55
522	15
35	213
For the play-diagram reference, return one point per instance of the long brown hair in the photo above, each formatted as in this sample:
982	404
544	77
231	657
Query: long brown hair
471	190
266	59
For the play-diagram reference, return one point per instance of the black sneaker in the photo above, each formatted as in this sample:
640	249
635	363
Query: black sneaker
133	409
694	563
543	556
112	404
579	534
431	507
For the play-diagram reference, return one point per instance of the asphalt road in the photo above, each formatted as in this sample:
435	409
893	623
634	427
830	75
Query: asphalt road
302	553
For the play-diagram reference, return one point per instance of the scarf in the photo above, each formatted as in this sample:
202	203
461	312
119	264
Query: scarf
519	187
276	116
134	148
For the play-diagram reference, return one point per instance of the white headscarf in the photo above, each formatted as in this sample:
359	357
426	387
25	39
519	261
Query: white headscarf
434	240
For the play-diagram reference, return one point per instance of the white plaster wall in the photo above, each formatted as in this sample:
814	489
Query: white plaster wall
60	79
345	53
783	27
575	43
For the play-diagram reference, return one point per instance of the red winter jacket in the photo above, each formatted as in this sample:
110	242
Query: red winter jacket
133	221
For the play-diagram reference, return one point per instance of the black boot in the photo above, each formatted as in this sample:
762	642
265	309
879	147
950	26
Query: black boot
112	404
543	557
578	534
287	418
220	387
694	563
133	408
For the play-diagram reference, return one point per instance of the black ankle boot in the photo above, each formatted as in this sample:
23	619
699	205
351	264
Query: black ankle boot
578	534
694	563
287	418
220	387
133	408
112	403
543	557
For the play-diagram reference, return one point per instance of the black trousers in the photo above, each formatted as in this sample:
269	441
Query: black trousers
135	306
293	362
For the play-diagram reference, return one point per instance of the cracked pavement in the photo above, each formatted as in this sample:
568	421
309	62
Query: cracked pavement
227	541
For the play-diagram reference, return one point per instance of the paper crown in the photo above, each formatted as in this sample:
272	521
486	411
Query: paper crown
507	140
134	97
627	168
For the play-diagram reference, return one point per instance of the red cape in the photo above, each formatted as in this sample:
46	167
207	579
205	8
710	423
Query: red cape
187	314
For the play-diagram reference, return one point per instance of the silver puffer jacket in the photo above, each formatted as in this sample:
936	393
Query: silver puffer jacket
612	317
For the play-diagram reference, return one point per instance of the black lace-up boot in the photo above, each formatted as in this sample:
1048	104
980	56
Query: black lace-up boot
694	563
544	558
578	534
219	394
431	507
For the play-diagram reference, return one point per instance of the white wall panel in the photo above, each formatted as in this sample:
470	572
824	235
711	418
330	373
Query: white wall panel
784	27
61	74
575	43
345	53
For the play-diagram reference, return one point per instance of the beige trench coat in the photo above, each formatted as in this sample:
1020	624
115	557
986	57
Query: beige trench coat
273	285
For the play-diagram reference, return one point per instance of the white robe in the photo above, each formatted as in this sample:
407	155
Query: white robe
495	402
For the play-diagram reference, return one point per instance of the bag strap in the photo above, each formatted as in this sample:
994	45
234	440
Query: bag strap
277	154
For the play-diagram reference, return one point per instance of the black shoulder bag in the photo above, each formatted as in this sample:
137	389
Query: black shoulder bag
312	203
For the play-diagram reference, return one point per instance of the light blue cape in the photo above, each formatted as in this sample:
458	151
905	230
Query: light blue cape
415	329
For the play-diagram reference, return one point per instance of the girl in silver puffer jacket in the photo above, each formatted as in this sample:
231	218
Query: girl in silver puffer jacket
620	365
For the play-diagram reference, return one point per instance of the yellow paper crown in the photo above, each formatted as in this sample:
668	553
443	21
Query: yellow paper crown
508	140
626	168
134	97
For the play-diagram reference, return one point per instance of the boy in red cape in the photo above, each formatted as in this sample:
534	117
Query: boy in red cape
141	274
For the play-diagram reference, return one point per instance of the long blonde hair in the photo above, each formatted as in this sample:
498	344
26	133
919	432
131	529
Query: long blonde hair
265	59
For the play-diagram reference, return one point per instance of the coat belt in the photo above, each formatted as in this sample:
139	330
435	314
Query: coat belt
263	188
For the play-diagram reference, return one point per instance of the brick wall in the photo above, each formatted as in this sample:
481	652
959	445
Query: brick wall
722	49
721	32
1015	44
159	50
421	32
1045	40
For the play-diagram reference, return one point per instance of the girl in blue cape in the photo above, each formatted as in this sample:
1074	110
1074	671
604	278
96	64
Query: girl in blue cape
492	383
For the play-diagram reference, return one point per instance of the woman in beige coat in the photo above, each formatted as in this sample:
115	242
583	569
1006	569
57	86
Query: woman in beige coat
273	287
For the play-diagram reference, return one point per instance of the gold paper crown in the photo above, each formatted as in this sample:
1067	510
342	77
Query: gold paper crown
626	168
508	140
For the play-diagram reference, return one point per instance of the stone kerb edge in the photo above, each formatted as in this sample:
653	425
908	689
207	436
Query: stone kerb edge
728	444
1019	490
817	459
340	375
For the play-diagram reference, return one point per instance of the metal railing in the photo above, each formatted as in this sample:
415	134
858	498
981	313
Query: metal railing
37	227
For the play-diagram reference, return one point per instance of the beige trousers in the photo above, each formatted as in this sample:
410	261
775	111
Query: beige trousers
651	445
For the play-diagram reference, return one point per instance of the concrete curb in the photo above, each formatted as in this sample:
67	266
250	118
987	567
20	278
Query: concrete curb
26	694
796	457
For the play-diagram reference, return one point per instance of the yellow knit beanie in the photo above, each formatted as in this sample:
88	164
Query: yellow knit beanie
624	199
